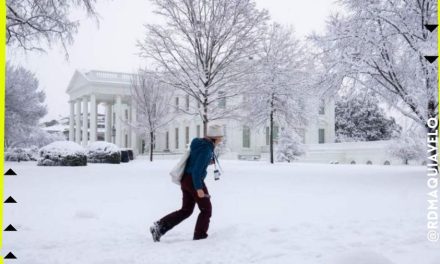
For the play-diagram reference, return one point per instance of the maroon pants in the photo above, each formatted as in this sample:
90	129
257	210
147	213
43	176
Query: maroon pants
189	200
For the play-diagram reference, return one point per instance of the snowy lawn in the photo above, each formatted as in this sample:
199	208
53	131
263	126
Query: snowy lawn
287	213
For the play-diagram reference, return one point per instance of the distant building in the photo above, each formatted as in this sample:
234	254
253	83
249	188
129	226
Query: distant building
61	126
89	89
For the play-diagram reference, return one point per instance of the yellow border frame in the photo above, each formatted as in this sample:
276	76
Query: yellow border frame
2	112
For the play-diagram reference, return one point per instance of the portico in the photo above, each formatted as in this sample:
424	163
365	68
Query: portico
90	91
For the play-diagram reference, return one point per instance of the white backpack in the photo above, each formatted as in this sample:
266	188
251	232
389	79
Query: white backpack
178	170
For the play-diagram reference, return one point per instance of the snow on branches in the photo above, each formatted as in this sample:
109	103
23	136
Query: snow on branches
152	98
381	46
31	21
289	146
205	49
361	119
24	108
278	92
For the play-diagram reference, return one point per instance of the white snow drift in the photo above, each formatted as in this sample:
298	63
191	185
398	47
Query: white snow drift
286	213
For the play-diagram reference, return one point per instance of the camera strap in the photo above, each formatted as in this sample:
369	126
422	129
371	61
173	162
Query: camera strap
216	162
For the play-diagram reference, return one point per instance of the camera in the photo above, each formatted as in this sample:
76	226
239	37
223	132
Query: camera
217	175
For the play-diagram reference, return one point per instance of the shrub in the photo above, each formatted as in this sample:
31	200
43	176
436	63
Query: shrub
124	156
62	153
21	154
103	152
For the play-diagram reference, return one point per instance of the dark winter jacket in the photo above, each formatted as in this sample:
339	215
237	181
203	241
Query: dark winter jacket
201	154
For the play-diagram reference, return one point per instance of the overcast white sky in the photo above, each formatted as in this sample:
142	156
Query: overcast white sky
112	45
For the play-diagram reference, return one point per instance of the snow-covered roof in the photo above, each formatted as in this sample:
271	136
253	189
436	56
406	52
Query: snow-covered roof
81	77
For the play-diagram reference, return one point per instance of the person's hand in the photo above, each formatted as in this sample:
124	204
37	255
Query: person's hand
200	193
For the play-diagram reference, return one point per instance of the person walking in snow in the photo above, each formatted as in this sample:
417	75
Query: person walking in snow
193	187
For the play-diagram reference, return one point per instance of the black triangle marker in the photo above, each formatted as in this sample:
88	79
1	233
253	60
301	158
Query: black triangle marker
10	172
431	27
10	228
10	256
10	200
431	59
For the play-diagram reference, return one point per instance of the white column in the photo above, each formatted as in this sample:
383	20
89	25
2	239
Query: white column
78	122
118	117
133	131
71	121
108	122
85	121
92	118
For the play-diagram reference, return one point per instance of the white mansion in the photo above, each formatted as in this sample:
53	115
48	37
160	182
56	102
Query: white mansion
87	90
91	91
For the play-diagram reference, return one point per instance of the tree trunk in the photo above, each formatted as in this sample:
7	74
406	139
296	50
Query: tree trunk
151	145
205	117
271	137
271	126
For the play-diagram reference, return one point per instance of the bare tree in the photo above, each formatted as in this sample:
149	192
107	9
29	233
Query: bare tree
29	22
279	92
152	98
204	49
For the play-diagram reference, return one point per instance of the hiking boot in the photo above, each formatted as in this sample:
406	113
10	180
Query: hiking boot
155	231
200	236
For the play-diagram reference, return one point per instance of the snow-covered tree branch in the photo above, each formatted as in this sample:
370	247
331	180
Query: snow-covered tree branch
205	49
279	92
381	45
24	106
359	118
152	98
29	22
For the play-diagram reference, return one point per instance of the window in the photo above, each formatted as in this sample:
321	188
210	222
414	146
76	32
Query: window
222	100
126	114
187	102
322	107
167	140
126	141
198	131
275	134
114	118
246	137
186	135
177	104
267	135
177	137
321	136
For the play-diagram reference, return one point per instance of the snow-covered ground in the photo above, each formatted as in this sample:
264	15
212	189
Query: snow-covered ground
287	213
